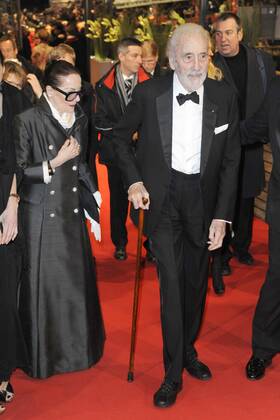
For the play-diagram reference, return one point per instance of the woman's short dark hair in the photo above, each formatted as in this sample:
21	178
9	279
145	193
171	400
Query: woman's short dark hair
56	71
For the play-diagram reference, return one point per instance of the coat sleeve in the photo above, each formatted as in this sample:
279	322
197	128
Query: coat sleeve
122	134
103	122
32	173
85	174
228	179
255	129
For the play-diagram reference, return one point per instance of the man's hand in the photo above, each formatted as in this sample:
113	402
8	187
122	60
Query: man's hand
139	196
217	232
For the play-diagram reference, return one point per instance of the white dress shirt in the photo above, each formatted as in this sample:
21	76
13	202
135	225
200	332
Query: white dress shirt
186	131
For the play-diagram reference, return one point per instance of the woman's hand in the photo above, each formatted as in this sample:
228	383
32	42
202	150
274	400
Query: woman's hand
35	84
68	151
9	219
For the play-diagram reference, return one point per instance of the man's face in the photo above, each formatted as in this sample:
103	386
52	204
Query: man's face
149	62
8	50
227	37
190	61
130	60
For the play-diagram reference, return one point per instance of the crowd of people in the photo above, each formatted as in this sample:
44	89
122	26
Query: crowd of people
184	143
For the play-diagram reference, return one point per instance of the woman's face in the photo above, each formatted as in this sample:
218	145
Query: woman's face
70	83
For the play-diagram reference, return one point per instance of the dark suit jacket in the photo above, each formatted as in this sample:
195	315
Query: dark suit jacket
150	113
265	125
252	178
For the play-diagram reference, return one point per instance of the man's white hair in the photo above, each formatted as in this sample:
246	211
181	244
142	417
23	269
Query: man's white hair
182	31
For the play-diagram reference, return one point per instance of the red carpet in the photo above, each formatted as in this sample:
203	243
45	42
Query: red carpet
103	392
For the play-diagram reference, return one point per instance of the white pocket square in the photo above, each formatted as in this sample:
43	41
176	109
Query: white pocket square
220	129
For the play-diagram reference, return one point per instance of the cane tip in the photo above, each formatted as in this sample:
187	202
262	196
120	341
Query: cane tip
130	377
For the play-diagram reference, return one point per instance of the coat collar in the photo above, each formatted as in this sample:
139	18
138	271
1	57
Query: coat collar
164	105
109	79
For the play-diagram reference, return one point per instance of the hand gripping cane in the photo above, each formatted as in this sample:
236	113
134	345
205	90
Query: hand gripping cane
130	375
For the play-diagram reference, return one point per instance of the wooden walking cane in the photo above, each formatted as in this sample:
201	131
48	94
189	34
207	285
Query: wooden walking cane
130	375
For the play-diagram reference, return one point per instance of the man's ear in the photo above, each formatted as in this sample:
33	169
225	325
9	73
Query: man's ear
240	34
121	56
172	62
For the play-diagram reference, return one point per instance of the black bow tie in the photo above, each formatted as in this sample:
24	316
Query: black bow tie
188	97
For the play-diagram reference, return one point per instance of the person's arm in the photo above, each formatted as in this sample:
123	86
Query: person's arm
9	217
228	180
33	81
39	172
103	120
255	129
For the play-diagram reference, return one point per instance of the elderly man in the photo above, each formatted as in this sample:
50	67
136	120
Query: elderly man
186	167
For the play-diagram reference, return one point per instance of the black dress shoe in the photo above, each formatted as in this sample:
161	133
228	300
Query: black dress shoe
167	393
120	253
226	269
245	258
198	370
219	287
255	368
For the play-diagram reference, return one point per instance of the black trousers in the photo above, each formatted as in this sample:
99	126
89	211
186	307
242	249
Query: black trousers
179	245
266	322
118	206
13	352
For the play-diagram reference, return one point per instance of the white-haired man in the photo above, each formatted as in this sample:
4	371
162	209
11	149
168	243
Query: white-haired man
186	166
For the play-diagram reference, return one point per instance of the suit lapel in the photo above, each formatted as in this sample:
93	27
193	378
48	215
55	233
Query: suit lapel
164	106
209	116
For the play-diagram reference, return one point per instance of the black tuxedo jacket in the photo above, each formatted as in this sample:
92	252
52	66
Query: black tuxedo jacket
265	125
150	113
252	181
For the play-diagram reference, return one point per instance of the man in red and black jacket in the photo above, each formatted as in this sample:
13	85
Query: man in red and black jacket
113	93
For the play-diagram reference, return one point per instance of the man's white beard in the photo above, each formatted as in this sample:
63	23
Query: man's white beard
192	80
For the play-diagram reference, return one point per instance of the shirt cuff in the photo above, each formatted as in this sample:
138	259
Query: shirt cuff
47	177
221	220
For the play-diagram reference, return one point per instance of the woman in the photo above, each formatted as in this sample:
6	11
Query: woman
12	348
59	304
16	76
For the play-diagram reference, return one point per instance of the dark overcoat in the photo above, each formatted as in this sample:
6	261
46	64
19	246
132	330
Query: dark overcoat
252	176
